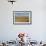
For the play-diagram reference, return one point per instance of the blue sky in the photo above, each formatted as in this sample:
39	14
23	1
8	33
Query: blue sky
23	14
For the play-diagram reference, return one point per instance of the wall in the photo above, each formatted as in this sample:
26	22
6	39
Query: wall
9	31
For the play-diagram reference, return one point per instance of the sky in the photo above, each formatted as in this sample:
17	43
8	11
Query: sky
22	13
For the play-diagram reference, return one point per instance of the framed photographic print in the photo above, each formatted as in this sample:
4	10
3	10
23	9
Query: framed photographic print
22	17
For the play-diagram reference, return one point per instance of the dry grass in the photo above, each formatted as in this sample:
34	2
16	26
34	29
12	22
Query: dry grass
22	19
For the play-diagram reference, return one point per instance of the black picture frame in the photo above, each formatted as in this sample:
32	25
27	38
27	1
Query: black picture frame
22	17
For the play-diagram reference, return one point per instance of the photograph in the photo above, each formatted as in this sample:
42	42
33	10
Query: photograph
22	17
